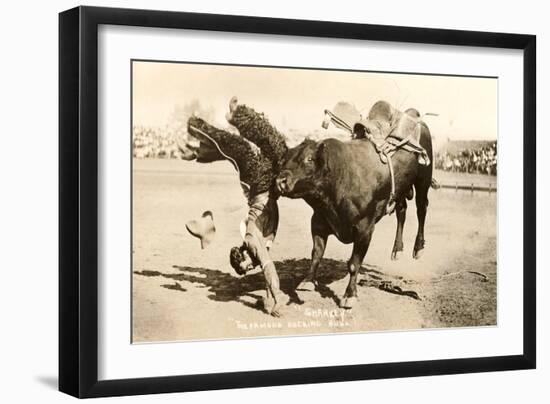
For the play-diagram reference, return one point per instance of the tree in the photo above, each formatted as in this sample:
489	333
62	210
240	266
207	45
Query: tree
181	114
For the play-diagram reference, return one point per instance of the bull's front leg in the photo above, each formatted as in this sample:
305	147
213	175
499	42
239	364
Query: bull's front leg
360	247
319	232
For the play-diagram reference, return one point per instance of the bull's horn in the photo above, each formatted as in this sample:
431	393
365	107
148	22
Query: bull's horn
202	228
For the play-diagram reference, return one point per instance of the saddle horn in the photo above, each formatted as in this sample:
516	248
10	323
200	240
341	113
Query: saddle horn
202	228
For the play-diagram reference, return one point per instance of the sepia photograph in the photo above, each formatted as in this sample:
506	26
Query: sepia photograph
285	201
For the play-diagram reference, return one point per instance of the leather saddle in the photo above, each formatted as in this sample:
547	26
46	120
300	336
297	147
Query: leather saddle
386	127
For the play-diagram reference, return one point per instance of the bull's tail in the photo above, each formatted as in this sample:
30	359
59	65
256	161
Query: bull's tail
434	184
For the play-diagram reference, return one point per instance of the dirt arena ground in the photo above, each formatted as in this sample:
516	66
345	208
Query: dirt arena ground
181	292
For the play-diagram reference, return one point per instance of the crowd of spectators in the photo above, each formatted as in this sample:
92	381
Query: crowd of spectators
162	143
155	142
481	160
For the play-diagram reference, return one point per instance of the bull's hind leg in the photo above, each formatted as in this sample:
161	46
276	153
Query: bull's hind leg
400	214
319	231
421	209
360	247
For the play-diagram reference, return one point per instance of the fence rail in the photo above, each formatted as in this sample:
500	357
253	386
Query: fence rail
489	187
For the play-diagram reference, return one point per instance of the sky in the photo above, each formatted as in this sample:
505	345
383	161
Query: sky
296	98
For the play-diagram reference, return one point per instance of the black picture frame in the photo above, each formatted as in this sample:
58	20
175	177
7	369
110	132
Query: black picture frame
78	201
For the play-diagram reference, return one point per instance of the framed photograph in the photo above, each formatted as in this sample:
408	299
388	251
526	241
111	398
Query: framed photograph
251	202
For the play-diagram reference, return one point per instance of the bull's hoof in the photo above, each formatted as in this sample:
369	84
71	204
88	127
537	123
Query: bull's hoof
417	254
307	286
348	302
396	255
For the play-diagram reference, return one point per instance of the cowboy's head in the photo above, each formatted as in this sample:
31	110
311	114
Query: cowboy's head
240	260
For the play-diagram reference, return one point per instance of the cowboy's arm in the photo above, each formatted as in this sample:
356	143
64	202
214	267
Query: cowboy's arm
257	248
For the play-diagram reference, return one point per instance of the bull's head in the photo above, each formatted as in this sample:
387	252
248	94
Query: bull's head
302	170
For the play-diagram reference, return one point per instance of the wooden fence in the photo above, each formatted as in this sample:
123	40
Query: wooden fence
462	186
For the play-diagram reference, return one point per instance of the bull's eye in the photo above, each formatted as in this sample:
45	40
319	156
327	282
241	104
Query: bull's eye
308	159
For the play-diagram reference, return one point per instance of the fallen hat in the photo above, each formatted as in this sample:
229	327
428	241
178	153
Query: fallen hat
202	228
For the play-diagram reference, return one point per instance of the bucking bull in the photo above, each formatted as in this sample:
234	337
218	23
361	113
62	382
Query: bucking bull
351	185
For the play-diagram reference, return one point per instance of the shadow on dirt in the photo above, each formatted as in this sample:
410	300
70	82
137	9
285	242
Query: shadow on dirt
224	287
